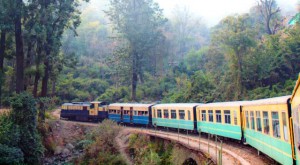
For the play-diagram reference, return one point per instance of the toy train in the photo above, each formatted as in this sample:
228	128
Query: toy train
269	125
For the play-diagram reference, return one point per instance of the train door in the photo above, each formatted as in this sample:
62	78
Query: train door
131	114
122	113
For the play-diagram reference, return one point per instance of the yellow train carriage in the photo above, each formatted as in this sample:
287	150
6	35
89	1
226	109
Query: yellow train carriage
222	119
267	129
295	105
177	115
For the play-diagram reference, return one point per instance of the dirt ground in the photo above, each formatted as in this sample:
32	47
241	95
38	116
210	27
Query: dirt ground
62	139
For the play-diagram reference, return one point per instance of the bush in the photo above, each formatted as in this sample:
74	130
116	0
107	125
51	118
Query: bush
100	145
83	144
10	155
24	114
9	132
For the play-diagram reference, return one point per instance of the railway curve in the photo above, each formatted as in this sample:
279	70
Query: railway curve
232	153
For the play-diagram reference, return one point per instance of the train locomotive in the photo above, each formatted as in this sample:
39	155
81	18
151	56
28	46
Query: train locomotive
270	125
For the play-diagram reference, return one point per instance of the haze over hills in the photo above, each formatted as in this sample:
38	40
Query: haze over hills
210	11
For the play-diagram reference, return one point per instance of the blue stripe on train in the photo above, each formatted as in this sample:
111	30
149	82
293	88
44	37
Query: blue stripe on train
141	119
115	117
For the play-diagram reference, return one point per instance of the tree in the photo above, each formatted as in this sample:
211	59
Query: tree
56	17
5	26
235	37
19	46
139	22
189	32
269	11
24	114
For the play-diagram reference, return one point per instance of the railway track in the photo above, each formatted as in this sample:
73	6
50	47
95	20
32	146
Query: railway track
232	151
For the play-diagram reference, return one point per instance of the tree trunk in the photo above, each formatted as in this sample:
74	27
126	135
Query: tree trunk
53	88
44	89
134	76
19	49
28	62
2	51
37	72
36	82
268	29
239	76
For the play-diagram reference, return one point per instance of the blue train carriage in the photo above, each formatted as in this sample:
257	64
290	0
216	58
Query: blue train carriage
78	111
222	119
295	105
130	113
267	127
177	115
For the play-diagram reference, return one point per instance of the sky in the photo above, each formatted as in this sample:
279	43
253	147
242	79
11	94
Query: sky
212	11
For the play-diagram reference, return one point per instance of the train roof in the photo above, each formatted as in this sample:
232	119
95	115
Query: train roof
77	104
226	104
183	105
296	88
130	105
274	100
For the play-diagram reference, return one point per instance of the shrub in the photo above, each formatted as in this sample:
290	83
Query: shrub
9	132
10	155
24	114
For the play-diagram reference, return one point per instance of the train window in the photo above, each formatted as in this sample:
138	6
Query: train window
235	118
189	115
118	111
158	113
218	116
258	121
210	115
181	114
127	112
285	129
203	115
266	122
173	114
145	113
92	106
252	120
166	113
135	113
275	124
154	114
227	117
247	119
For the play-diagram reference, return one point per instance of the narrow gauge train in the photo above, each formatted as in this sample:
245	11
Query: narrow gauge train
269	125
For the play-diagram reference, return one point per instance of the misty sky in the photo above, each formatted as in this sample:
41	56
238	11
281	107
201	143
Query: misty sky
212	11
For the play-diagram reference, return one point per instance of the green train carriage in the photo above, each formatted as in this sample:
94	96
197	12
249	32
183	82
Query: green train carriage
266	127
222	119
295	105
176	115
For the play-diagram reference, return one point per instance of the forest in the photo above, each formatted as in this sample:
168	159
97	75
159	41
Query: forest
148	58
129	51
54	51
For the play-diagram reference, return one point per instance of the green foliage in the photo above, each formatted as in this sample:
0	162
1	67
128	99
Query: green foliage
115	95
10	155
83	144
24	115
9	131
100	145
150	152
80	89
